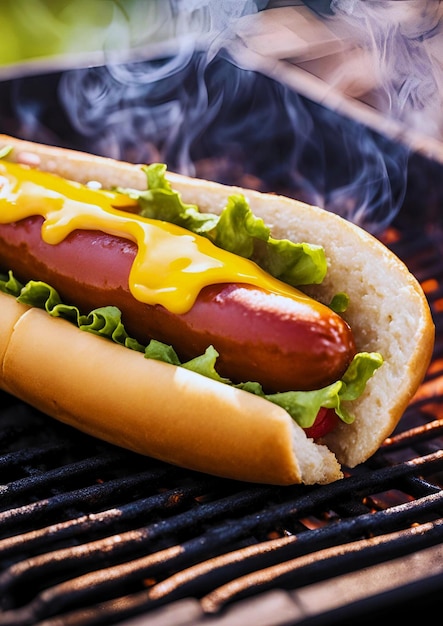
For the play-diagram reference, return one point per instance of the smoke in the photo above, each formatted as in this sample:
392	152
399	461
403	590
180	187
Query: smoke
153	108
191	90
404	41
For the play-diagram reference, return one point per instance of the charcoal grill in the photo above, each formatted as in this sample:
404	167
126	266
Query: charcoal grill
91	534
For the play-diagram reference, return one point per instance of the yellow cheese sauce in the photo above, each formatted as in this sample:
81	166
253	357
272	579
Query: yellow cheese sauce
172	264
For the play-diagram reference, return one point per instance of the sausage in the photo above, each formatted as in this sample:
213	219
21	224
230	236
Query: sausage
283	343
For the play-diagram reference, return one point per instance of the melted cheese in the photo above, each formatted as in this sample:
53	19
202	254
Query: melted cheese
172	264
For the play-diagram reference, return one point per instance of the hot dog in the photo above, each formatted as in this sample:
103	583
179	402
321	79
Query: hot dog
169	411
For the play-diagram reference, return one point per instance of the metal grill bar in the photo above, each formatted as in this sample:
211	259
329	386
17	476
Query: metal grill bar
98	553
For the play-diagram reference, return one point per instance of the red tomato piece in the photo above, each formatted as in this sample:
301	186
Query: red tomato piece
326	420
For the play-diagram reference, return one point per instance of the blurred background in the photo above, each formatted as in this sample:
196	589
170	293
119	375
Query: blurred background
335	102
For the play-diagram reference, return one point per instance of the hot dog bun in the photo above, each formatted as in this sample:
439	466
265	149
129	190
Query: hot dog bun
183	418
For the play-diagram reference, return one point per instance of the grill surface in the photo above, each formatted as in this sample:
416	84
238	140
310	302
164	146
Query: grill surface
90	534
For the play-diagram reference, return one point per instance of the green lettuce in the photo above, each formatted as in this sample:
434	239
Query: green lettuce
236	230
302	406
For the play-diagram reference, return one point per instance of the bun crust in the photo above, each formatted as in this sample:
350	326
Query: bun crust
183	418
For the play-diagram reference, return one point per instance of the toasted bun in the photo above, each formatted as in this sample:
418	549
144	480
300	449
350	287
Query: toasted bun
183	418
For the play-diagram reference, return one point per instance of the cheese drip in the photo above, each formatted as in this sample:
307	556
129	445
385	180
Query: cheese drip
172	264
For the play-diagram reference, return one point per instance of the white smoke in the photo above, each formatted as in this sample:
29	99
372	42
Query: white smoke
137	110
404	38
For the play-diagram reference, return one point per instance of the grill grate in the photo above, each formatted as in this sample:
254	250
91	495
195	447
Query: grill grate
91	534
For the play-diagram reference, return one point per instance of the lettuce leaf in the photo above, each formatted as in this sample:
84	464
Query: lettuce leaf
10	285
5	151
236	229
302	406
